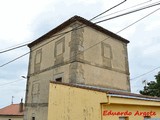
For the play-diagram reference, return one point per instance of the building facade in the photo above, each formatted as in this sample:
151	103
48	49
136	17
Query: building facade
83	102
79	52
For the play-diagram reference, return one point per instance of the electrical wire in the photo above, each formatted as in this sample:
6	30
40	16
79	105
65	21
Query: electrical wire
124	9
145	73
108	10
133	11
108	38
14	59
10	82
83	51
13	48
121	31
79	27
56	38
61	36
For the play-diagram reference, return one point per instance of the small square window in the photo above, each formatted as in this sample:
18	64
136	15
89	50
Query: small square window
123	118
147	117
58	79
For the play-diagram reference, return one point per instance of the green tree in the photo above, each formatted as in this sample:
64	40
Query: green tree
153	87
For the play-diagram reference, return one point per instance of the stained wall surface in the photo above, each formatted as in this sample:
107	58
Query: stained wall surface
67	102
84	56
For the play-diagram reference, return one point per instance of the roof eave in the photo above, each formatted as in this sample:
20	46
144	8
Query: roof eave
70	21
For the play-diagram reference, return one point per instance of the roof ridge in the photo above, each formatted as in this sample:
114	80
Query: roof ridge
70	21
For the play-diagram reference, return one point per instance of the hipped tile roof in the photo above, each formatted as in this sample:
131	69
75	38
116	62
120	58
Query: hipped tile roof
12	110
81	20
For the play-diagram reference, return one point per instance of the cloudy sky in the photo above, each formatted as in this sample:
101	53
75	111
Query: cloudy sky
23	21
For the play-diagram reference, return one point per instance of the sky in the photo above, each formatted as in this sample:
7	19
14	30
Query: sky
23	21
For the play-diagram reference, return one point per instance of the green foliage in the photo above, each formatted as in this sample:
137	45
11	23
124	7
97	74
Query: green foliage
152	88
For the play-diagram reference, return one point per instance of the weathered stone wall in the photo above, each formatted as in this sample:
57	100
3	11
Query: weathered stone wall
83	56
48	60
105	61
76	74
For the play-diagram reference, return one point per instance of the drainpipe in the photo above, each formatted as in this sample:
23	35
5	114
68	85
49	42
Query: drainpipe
108	99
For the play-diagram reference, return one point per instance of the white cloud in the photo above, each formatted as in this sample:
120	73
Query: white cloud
152	50
16	18
153	25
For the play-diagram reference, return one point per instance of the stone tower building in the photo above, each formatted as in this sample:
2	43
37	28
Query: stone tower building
79	52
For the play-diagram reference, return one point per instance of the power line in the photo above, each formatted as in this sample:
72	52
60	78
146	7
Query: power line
108	10
100	42
79	27
124	9
133	11
52	36
119	31
10	82
14	59
145	73
13	48
108	38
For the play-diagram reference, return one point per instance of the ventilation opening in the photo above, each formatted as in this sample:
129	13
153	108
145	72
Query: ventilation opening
58	79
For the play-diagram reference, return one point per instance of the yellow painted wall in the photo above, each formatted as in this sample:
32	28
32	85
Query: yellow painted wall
73	103
134	111
69	103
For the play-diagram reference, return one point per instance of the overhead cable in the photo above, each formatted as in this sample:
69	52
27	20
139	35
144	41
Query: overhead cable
145	73
79	27
133	11
13	48
10	82
90	46
123	9
108	10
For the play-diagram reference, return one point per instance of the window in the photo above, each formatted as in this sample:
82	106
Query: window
58	79
33	118
37	60
59	50
147	117
9	119
59	47
35	92
106	53
123	118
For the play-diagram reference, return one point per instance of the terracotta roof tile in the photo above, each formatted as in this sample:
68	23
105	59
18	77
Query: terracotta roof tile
12	109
